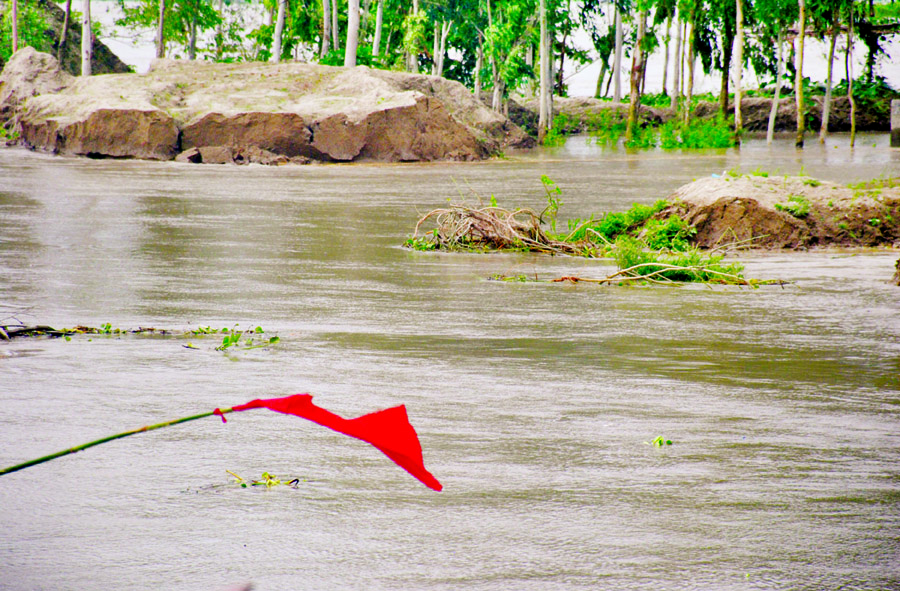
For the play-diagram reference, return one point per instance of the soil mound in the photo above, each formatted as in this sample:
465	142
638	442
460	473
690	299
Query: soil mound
272	112
789	212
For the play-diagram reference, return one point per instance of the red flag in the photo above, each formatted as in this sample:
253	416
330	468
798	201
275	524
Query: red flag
389	430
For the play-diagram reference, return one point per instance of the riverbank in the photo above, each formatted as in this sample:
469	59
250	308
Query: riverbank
251	112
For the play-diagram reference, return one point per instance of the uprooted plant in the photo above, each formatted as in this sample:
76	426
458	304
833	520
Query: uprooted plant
647	245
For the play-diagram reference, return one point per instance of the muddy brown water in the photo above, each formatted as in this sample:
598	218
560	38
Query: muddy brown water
534	402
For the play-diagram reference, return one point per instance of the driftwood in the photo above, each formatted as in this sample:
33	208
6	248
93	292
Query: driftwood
489	228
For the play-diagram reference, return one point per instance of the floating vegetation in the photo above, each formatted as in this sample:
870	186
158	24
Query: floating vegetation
232	338
267	480
659	442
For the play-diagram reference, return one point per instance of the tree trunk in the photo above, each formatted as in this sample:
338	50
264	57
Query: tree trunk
637	66
87	38
445	33
220	31
352	34
160	30
604	68
727	49
379	22
798	84
479	64
335	26
192	41
544	114
665	79
326	28
617	61
279	32
679	60
15	25
826	107
689	95
849	66
773	111
64	34
738	69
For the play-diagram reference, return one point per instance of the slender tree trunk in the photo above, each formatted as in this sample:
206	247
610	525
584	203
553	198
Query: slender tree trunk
637	66
543	114
64	34
160	30
738	69
435	47
220	31
445	33
279	32
773	111
326	28
352	34
15	25
665	88
727	49
192	41
826	106
604	68
617	62
798	84
479	64
87	39
335	26
689	95
679	60
379	22
849	66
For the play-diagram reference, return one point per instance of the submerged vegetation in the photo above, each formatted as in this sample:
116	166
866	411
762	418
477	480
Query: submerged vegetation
647	245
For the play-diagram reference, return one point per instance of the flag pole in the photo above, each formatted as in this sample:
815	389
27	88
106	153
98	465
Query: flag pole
78	448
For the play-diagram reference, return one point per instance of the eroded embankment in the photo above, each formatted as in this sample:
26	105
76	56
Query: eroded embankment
268	113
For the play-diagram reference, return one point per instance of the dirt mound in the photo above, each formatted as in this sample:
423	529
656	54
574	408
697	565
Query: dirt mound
29	73
789	212
283	111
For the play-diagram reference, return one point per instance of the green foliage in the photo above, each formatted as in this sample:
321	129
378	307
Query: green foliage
673	233
553	201
267	480
697	134
180	17
687	266
797	206
34	31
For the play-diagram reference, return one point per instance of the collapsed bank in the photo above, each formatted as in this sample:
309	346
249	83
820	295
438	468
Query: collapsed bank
252	112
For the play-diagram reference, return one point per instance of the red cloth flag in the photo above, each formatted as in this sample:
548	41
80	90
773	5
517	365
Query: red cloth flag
388	430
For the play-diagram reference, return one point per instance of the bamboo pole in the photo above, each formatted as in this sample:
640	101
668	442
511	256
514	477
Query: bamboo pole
78	448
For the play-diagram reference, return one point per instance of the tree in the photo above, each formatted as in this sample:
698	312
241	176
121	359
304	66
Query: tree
14	23
637	68
279	31
161	31
771	21
544	101
617	62
798	84
87	39
64	33
379	23
738	66
352	33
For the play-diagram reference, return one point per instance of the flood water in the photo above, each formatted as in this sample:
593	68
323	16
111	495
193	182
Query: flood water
534	402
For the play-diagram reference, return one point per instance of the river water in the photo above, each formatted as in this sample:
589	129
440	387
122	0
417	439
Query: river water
534	402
